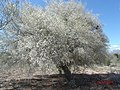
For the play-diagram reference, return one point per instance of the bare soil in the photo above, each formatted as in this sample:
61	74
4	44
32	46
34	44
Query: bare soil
59	82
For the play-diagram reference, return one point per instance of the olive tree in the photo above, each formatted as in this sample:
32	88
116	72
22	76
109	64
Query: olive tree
61	35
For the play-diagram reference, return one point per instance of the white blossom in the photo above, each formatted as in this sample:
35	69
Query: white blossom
63	31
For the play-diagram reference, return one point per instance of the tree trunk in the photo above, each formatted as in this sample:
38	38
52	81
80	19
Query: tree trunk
67	72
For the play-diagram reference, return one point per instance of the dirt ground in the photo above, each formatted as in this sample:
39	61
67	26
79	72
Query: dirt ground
58	82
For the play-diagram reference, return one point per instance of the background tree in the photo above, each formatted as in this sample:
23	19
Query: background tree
63	34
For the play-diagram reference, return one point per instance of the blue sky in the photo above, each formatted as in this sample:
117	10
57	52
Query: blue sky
109	11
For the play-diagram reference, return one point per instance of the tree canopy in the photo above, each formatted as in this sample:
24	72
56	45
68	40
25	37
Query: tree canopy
61	34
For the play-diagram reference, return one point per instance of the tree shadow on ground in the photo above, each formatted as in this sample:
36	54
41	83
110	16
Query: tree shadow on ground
58	82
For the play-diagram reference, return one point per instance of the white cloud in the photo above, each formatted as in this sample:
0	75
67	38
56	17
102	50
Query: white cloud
114	47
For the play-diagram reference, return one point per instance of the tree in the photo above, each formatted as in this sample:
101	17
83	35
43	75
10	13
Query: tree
117	55
63	34
8	12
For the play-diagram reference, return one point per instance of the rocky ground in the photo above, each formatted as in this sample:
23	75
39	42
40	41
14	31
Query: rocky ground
58	82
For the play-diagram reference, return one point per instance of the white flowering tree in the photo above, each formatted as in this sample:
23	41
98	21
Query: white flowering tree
61	35
8	12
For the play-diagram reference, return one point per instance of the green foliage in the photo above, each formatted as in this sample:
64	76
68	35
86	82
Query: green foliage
108	62
117	55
